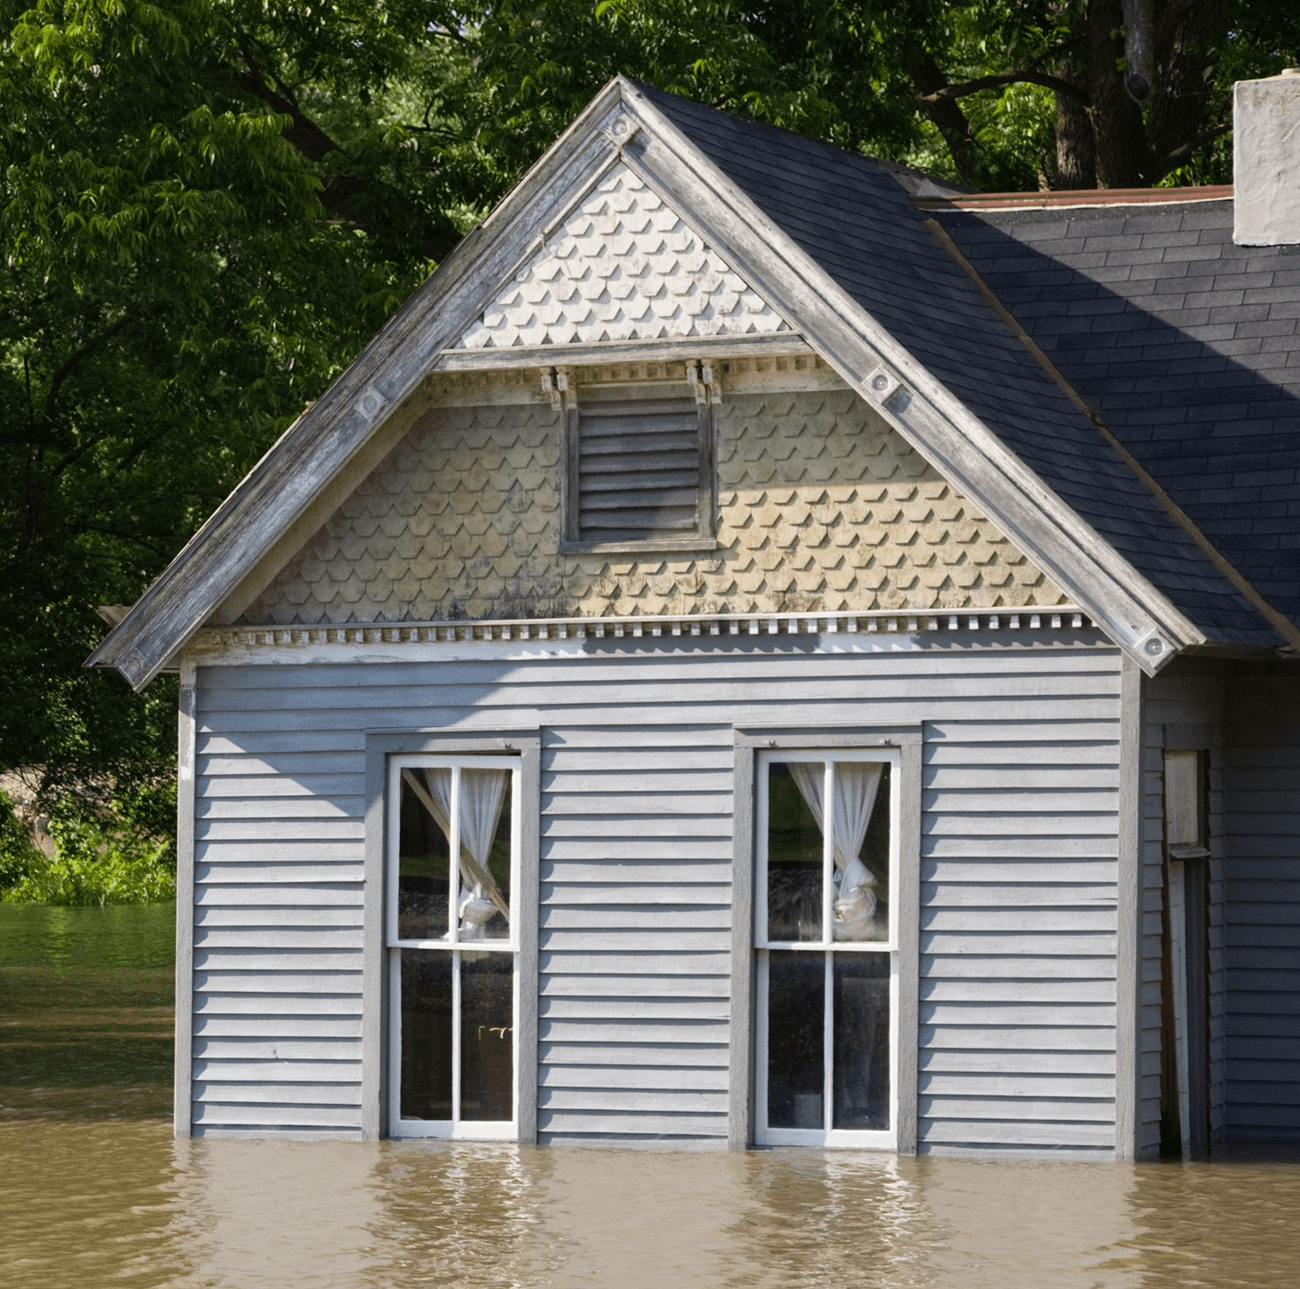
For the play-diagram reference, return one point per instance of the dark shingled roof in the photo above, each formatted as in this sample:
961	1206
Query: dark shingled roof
1187	342
858	224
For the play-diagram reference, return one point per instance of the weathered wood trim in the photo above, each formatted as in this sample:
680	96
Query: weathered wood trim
435	641
380	745
740	1103
782	344
321	444
909	938
374	977
1134	614
1128	983
908	738
185	785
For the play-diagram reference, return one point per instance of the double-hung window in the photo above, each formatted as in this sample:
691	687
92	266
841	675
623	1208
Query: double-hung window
453	936
827	896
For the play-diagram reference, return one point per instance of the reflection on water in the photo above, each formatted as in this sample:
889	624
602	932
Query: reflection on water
100	1203
94	1192
120	935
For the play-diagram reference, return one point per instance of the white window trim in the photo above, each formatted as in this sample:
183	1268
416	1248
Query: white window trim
826	948
385	753
901	745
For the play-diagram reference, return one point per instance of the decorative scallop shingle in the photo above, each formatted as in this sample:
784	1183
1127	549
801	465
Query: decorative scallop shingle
463	520
622	266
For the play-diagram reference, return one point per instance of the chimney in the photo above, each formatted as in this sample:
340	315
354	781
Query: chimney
1266	160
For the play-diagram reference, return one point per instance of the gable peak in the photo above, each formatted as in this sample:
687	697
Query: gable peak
621	265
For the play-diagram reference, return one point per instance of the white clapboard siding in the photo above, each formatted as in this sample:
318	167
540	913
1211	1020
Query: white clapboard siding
1018	858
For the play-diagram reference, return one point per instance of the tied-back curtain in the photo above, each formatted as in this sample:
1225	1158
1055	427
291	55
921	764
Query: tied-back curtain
855	784
482	795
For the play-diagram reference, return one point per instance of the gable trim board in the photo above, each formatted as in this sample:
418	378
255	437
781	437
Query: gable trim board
341	428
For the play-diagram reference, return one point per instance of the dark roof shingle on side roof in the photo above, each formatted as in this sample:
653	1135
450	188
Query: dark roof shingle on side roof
1189	344
859	225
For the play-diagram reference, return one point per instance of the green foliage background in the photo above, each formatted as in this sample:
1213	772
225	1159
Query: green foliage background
208	207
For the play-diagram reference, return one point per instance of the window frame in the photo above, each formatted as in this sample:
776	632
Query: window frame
386	753
704	397
754	748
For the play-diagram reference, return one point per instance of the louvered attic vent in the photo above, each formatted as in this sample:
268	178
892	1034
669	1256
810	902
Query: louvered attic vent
639	464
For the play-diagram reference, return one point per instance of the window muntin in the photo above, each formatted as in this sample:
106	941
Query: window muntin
826	939
453	945
640	464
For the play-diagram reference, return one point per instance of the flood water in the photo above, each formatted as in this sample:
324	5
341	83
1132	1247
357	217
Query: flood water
95	1192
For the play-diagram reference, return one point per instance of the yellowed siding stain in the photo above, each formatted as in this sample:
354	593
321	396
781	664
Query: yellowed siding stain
821	507
622	266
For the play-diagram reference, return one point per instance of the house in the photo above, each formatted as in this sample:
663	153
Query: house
763	649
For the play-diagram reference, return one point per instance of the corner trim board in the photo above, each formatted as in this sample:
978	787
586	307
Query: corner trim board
182	1114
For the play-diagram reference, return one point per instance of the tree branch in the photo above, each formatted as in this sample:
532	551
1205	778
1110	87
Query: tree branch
304	133
74	361
1026	76
1182	154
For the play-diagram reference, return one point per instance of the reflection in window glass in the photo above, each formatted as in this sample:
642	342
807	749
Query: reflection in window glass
486	1037
424	855
795	1041
795	900
861	1020
426	1035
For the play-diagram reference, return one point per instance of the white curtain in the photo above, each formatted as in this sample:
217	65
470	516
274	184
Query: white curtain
855	784
482	795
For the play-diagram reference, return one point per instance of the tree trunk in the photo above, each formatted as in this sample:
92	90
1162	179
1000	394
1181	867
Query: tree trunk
1182	32
1117	125
1076	152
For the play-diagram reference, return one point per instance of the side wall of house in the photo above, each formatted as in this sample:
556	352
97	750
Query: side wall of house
1184	711
1018	873
1263	905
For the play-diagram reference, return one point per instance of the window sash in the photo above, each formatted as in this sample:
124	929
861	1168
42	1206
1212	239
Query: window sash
457	947
827	947
826	941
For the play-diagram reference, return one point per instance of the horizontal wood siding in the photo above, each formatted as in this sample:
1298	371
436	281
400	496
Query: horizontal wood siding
1018	878
277	922
1262	948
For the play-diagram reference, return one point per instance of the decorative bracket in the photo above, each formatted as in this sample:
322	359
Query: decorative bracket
700	377
557	384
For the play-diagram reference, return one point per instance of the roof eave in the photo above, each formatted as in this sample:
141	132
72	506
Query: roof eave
322	441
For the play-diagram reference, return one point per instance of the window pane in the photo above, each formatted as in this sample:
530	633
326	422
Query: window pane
861	1003
796	1066
485	854
487	1083
794	852
860	818
424	855
426	1035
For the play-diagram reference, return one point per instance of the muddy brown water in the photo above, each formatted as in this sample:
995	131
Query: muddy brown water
95	1192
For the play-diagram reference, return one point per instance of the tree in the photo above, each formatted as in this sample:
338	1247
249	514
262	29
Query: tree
189	257
206	208
1006	94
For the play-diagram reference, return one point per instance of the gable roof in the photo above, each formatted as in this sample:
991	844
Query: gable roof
834	245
